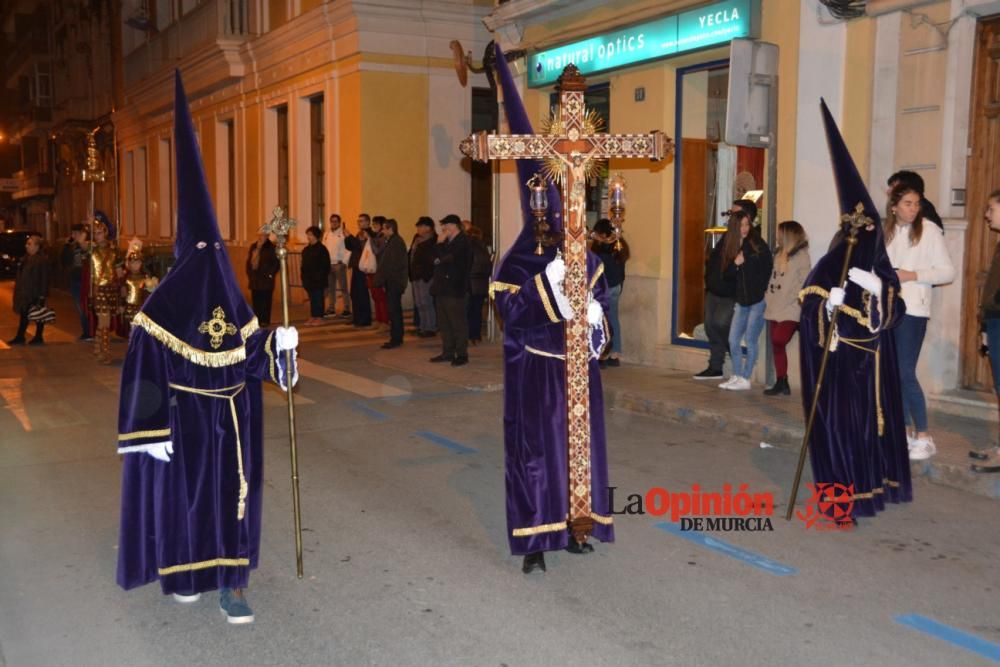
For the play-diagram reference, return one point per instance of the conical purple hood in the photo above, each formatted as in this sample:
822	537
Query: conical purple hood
201	279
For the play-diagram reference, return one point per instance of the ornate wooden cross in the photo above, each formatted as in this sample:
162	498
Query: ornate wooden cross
571	148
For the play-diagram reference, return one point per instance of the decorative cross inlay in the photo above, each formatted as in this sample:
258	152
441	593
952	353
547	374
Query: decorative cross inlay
217	327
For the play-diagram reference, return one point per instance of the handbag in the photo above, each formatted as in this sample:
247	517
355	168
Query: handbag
368	263
41	314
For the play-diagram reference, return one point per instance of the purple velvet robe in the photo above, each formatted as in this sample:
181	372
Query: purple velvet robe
535	431
179	519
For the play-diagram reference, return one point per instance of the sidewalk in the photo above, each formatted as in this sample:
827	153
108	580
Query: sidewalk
749	416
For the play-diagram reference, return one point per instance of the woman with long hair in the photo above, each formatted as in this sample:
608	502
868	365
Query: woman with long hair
614	252
720	290
920	259
753	268
781	309
988	460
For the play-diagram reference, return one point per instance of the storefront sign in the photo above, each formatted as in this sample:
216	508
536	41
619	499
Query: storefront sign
694	29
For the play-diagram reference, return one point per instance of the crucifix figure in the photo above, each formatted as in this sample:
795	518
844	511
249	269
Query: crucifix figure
571	150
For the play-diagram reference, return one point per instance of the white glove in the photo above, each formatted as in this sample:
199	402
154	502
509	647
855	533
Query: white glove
161	451
595	314
866	280
836	297
286	338
556	272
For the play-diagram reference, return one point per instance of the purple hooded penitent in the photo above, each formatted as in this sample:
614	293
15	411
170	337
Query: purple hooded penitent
191	390
858	437
534	344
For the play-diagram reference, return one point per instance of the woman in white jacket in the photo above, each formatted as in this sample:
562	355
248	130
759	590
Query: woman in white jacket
920	258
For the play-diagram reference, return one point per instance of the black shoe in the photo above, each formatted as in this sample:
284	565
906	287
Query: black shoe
986	467
577	548
614	362
708	374
532	562
391	345
85	338
37	340
16	341
603	363
982	454
427	334
460	360
780	387
441	358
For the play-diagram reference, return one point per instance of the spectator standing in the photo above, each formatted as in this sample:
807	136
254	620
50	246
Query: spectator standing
720	290
377	243
921	260
333	239
422	254
391	276
614	252
74	256
913	180
782	310
361	306
988	460
451	291
31	287
753	269
315	274
262	267
480	271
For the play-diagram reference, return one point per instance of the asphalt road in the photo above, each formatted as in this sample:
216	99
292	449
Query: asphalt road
405	551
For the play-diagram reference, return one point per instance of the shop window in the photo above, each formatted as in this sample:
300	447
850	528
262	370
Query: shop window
708	175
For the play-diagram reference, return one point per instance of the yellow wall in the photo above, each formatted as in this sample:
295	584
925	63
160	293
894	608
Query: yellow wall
394	135
780	25
349	138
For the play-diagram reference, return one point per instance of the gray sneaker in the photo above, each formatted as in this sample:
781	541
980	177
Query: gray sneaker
234	606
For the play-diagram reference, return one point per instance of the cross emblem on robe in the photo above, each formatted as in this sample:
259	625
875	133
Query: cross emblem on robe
217	327
570	148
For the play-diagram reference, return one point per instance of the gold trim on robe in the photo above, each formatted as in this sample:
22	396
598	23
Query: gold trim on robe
497	286
204	565
540	284
189	352
135	435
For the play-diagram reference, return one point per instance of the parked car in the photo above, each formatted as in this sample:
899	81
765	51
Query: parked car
11	251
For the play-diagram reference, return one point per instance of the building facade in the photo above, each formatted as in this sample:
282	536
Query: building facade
319	107
910	84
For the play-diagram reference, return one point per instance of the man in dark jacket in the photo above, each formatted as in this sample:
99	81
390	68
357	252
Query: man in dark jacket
30	289
391	274
422	254
74	256
451	291
262	267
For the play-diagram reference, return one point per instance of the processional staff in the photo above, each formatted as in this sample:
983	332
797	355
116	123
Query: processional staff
280	225
853	224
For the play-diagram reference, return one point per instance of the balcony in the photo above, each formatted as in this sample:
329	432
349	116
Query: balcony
33	183
213	31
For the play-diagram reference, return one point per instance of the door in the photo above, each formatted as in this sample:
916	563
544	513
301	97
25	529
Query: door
983	178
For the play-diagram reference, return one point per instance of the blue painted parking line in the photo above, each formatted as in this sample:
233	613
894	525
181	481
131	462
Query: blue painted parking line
959	638
374	414
456	447
726	549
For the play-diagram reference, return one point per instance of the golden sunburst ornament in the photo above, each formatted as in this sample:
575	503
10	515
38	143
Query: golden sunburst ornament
552	167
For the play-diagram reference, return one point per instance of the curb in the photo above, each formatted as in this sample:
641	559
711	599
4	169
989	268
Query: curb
956	476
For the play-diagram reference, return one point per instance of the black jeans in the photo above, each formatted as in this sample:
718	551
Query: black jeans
262	299
316	301
394	304
718	317
22	326
453	325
